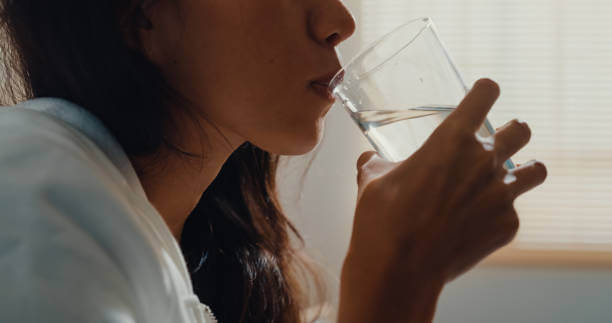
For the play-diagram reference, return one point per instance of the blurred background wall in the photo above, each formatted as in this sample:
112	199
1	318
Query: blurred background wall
552	59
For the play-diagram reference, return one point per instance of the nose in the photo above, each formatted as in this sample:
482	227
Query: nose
330	22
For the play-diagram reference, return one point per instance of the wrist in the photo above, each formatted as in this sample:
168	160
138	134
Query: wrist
375	292
386	291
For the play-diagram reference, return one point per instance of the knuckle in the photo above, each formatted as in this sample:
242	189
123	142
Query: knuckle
448	129
514	223
511	226
464	138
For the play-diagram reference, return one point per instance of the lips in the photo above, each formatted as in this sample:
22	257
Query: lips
323	90
321	85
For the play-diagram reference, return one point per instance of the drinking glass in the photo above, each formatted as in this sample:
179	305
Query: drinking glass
401	87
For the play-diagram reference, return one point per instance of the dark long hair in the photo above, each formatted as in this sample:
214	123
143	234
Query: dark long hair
237	242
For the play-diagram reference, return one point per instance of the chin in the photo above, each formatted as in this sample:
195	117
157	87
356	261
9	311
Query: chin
301	147
296	144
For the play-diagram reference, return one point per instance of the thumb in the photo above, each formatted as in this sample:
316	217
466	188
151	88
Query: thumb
364	158
369	166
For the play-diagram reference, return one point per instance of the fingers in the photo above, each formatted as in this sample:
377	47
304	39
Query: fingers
472	111
526	177
511	138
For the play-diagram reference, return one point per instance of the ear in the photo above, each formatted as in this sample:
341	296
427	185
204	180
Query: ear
138	28
142	19
155	29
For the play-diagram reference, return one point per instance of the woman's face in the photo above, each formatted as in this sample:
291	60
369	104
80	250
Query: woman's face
252	65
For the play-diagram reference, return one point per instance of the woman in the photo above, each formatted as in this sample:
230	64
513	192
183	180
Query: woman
138	173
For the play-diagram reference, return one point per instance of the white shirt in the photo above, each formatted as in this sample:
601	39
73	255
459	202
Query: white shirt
79	240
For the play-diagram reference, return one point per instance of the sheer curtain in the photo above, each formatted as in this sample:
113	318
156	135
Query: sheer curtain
553	60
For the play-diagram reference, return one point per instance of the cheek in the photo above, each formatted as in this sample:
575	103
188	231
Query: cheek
241	76
268	104
249	78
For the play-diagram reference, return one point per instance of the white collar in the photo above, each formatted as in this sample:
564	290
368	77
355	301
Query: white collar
93	128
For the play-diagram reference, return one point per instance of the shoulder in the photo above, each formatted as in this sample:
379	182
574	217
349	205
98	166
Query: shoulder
32	130
71	248
42	157
58	262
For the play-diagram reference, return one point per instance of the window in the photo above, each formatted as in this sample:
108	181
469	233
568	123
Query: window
553	60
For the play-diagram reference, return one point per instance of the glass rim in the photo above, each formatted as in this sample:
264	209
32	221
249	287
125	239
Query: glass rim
427	22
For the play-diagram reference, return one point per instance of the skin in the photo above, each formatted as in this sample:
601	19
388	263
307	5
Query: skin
248	66
422	222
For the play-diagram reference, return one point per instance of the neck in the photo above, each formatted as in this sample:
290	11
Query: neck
175	183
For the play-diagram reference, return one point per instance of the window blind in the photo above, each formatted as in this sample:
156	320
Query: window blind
553	61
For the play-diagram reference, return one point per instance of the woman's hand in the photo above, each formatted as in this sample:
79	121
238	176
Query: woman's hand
422	222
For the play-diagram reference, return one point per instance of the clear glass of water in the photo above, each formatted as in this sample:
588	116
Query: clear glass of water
400	88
